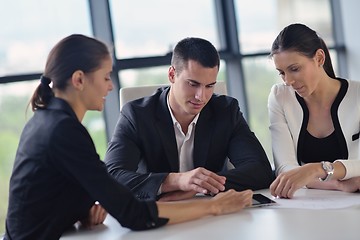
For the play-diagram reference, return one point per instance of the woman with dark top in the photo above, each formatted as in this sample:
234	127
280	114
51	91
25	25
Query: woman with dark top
314	117
58	176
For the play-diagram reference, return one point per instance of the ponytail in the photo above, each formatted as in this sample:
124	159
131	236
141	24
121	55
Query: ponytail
72	53
42	94
327	64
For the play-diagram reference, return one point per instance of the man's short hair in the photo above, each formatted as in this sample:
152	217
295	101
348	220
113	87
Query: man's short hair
196	49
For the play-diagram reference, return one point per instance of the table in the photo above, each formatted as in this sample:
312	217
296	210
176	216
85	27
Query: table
252	223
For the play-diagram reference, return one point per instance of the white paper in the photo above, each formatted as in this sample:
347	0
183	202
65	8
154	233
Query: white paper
316	199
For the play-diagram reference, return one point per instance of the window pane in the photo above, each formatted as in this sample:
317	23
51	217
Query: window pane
154	75
145	28
14	98
144	76
258	26
260	75
334	61
222	72
35	26
95	124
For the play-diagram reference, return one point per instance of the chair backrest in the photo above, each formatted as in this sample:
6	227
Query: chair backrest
128	94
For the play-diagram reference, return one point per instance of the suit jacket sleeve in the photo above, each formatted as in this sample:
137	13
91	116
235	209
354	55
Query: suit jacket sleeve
123	158
81	163
252	167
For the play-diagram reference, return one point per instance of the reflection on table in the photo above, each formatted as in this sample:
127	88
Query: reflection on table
254	223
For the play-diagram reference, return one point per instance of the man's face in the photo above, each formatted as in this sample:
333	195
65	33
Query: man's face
191	89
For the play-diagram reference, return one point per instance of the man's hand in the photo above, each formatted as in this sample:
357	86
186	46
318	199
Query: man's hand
97	215
199	180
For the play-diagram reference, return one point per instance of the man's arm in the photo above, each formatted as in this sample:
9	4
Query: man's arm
122	160
184	185
252	167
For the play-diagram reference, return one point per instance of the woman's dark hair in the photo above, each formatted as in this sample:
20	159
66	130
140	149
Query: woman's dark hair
75	52
300	38
197	49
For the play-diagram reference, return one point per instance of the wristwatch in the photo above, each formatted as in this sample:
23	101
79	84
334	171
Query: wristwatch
329	169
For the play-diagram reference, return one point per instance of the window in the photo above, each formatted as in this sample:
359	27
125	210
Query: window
29	30
35	27
14	98
144	76
152	28
258	26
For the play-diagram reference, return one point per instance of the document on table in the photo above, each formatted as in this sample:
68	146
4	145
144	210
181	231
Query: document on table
317	199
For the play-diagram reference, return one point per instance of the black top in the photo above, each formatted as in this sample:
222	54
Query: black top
58	175
315	149
143	149
306	151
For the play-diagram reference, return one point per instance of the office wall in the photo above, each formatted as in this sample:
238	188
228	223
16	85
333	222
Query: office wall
350	10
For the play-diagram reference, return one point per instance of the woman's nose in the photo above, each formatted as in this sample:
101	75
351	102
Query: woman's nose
288	81
111	87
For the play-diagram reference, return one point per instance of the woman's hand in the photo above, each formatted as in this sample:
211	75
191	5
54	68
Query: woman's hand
350	185
223	203
97	215
176	196
288	182
231	201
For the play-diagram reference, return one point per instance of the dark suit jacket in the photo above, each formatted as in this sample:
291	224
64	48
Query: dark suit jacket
58	175
143	149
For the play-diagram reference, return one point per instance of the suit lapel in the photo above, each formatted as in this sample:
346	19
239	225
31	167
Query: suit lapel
203	135
166	132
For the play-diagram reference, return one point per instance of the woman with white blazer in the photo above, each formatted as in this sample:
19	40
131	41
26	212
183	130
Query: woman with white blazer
314	117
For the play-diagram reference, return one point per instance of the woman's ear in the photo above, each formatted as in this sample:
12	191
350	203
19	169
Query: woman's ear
320	57
77	79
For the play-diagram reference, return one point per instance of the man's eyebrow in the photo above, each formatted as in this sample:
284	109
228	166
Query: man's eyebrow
196	82
193	81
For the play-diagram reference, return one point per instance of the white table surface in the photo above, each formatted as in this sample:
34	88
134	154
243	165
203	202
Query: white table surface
254	223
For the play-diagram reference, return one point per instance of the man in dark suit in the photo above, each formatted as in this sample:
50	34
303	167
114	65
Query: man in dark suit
175	143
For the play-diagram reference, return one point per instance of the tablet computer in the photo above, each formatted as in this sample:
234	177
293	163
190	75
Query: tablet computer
260	200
